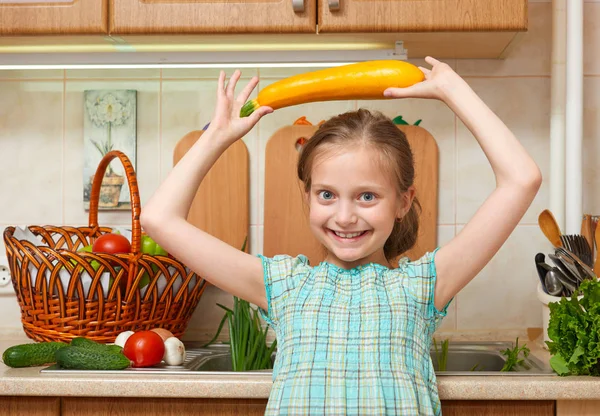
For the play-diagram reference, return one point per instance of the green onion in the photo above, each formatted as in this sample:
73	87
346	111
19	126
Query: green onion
247	338
442	358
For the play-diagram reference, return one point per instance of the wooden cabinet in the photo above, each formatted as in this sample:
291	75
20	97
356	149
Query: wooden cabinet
446	29
212	16
300	16
421	16
30	406
498	407
54	17
96	406
122	406
577	407
126	406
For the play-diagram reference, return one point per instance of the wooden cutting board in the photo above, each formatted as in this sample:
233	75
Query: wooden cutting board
286	229
220	206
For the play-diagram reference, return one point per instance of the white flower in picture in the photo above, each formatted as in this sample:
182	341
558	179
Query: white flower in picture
109	124
108	110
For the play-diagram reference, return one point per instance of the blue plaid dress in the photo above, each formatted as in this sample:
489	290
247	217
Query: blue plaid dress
352	342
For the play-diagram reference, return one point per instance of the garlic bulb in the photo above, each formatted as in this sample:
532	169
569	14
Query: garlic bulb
122	338
174	352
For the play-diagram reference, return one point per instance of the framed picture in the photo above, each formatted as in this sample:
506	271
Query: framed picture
109	124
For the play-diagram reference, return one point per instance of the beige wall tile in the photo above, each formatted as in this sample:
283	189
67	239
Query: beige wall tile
591	38
10	313
205	73
524	105
31	145
591	145
147	172
189	105
531	54
503	294
21	74
110	73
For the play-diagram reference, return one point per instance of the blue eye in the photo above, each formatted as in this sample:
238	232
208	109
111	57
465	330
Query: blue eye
326	195
368	197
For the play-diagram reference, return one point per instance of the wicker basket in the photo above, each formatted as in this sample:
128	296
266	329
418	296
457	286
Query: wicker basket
63	294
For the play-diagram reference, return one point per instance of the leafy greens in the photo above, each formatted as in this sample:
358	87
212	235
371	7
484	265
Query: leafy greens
512	356
574	330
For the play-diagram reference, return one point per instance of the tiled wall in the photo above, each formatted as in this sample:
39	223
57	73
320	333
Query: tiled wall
41	126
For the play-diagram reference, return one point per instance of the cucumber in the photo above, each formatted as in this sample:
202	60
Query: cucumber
30	355
95	346
78	358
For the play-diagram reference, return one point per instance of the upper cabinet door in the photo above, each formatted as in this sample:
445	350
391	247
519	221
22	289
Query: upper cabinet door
212	16
422	15
53	17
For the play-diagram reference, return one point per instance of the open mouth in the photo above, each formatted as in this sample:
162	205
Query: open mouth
348	236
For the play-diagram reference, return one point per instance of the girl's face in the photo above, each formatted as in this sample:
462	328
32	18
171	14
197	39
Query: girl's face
353	205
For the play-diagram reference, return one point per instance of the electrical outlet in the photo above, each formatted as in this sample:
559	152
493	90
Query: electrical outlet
6	287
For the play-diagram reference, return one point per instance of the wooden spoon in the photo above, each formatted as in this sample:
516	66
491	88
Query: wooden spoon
550	227
586	231
597	262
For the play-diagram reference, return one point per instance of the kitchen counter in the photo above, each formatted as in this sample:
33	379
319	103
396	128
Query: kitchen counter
30	382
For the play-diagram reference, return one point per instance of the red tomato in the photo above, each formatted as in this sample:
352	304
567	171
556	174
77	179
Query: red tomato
111	243
144	349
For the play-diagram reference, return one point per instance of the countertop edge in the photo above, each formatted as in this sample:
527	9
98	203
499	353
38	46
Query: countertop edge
259	387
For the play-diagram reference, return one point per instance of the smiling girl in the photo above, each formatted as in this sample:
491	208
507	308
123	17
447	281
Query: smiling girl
353	332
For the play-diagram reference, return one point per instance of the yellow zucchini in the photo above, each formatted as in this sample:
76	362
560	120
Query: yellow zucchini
359	81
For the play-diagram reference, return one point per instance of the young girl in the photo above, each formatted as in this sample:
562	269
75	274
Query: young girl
354	333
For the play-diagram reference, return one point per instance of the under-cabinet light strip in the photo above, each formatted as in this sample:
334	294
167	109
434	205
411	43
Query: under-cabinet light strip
229	59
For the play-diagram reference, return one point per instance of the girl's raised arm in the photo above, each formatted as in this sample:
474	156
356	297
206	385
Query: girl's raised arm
164	217
518	179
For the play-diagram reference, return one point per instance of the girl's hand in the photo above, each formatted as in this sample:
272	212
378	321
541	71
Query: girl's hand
227	123
439	81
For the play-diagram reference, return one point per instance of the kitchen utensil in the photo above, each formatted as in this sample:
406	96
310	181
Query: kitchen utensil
597	241
286	227
221	204
539	259
588	234
550	227
567	283
584	270
552	284
567	268
577	244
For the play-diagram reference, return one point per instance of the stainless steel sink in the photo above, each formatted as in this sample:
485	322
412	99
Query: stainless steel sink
467	359
481	358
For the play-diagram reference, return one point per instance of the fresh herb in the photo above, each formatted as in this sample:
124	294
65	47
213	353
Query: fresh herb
247	338
512	356
574	330
442	358
477	367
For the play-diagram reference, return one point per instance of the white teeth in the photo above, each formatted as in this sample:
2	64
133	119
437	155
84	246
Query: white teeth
348	235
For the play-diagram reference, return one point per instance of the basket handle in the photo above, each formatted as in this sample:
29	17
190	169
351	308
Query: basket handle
134	196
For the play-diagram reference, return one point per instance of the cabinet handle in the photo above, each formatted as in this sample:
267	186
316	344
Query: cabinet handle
298	5
334	4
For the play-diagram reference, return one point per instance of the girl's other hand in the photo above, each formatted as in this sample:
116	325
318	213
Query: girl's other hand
226	123
439	81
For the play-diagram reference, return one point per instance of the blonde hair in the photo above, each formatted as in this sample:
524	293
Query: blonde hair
374	129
